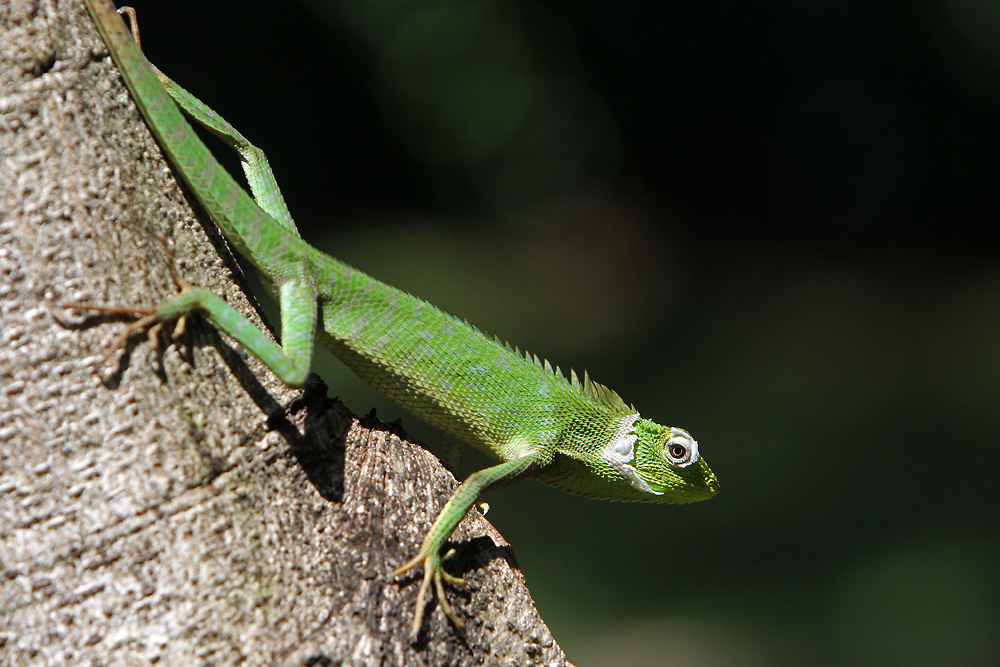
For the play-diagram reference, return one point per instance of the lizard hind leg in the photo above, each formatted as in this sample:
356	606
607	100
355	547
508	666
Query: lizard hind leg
290	365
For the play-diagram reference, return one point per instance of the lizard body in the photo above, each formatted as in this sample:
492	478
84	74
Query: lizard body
569	432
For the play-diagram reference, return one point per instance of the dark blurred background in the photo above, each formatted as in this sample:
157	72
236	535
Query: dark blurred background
773	225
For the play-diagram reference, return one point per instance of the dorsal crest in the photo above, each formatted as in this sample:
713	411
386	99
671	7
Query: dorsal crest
590	390
598	392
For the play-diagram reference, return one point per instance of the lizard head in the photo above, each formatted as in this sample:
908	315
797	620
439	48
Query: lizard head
661	463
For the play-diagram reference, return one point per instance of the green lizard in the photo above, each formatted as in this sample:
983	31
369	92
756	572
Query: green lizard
569	432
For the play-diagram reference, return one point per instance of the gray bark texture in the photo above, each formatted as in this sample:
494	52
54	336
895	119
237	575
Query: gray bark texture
174	503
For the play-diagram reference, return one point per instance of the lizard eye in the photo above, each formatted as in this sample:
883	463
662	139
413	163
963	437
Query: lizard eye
680	448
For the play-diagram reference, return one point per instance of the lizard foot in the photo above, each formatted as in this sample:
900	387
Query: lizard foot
151	320
433	571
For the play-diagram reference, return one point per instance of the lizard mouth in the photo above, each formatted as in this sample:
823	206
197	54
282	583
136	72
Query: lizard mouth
701	482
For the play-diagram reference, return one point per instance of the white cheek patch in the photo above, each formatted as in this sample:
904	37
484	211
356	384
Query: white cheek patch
620	451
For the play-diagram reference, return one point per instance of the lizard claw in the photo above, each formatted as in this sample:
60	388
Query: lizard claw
149	319
433	571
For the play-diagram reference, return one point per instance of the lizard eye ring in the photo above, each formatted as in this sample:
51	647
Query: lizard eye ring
680	448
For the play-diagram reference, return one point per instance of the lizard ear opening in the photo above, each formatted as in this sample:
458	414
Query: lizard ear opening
680	448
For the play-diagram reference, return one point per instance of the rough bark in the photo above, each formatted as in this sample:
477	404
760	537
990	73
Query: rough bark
190	509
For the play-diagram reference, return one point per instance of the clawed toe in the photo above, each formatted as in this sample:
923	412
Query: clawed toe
433	571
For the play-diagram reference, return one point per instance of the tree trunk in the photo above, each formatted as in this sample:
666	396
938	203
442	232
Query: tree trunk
174	503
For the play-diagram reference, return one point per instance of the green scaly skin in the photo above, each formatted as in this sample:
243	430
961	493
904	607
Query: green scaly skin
571	433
